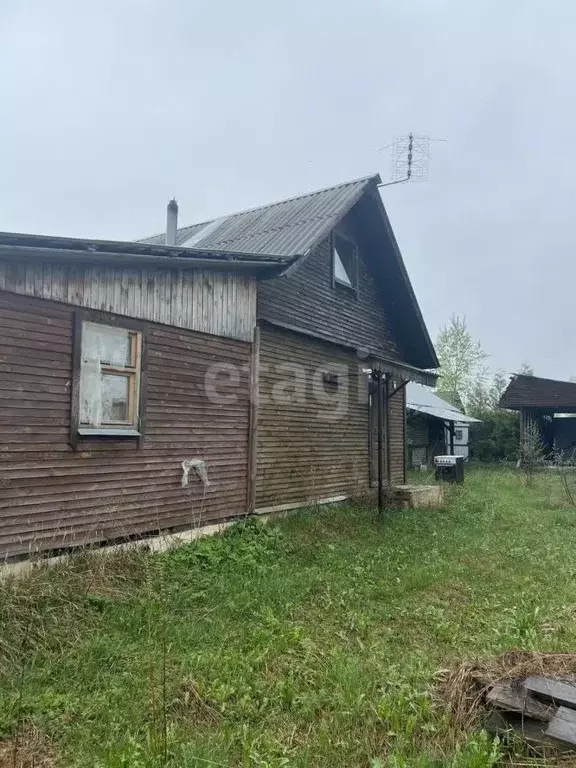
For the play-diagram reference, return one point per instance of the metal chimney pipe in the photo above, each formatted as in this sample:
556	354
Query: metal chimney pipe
171	221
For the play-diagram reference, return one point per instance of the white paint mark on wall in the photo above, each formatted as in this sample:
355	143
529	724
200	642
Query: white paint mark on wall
199	466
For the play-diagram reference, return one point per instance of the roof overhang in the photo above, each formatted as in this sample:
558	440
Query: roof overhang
444	414
534	393
432	359
15	246
371	359
405	371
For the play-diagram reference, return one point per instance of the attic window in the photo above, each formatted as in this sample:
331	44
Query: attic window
344	262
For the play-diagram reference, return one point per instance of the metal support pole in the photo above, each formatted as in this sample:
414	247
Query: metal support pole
380	414
387	427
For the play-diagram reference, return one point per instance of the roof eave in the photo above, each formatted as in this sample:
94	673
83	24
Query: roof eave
199	260
434	362
407	371
445	416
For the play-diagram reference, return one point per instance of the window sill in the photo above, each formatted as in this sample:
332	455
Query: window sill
341	286
88	432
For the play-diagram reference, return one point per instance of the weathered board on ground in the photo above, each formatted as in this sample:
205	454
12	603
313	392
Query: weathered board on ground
532	731
560	693
563	726
515	699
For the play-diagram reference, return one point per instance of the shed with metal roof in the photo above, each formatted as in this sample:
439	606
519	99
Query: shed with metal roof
434	426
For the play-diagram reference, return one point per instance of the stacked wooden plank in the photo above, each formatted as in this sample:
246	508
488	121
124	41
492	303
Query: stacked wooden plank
542	710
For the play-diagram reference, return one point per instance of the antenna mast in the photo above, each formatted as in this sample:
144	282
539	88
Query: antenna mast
410	155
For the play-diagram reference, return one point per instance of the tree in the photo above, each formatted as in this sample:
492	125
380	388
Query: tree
484	398
496	438
461	360
499	384
531	455
526	370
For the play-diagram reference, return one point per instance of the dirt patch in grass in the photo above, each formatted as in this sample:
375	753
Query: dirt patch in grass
29	749
199	709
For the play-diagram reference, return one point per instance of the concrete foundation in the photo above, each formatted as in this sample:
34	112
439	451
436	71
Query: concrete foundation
415	496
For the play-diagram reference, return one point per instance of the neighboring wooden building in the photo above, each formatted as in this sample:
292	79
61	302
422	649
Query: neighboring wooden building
247	345
434	427
548	404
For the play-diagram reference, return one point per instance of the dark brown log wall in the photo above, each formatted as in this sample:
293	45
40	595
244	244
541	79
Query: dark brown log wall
303	454
52	496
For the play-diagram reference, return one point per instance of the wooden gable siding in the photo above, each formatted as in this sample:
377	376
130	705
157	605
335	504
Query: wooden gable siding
52	496
308	301
303	456
198	300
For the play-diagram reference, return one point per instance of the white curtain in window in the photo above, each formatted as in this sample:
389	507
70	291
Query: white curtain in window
100	344
91	393
108	345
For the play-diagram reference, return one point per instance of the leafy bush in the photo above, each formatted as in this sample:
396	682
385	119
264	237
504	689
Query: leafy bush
250	543
496	438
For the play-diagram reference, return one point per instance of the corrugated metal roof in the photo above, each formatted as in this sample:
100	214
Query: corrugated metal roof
286	228
423	400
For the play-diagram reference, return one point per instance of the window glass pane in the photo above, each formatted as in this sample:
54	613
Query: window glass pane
104	397
115	398
344	261
339	271
107	398
106	344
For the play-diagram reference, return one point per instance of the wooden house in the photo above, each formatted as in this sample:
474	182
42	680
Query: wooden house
212	371
343	305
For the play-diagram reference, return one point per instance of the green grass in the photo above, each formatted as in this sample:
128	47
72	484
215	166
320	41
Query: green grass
317	641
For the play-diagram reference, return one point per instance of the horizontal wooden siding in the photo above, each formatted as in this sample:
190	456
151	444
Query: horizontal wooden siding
306	452
53	496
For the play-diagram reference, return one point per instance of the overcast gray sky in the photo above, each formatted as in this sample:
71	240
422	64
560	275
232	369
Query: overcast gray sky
108	109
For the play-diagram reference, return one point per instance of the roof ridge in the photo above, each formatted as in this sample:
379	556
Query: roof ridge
543	378
295	197
286	199
265	206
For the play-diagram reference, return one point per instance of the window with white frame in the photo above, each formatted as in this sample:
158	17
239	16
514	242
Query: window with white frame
344	262
110	369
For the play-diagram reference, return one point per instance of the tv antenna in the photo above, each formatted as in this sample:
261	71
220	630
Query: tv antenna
410	157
